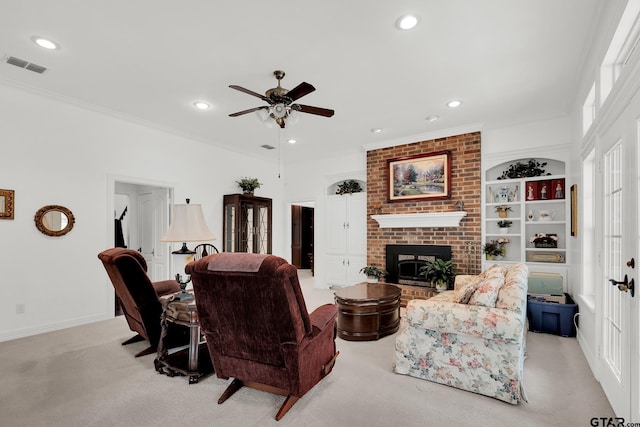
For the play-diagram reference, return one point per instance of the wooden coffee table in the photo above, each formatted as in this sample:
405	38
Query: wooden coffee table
368	311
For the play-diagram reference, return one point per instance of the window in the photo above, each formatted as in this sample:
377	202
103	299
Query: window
623	45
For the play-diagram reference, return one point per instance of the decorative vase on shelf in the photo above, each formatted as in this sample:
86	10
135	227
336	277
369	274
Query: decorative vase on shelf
489	257
502	214
504	230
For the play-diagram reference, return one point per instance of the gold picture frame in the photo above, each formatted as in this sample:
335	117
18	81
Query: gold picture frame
574	210
6	204
419	177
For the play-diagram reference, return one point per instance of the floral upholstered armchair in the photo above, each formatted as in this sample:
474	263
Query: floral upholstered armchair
473	337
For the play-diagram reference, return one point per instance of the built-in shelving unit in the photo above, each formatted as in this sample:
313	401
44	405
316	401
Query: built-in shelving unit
538	206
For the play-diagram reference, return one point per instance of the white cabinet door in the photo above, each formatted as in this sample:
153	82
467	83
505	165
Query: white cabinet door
336	275
336	225
345	271
356	219
353	267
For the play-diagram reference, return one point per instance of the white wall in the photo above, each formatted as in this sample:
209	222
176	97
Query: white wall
58	153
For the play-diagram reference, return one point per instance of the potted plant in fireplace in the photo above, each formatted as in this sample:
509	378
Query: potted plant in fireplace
439	272
373	273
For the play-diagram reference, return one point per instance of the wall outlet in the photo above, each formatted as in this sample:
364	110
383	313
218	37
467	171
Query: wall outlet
19	308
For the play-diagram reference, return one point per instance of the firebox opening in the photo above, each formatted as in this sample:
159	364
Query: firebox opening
403	262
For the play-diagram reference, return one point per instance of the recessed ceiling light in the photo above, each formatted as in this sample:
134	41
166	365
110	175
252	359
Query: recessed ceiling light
201	105
45	43
292	141
407	22
454	103
432	118
376	130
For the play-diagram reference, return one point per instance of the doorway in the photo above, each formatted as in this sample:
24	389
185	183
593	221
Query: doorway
302	235
618	238
141	216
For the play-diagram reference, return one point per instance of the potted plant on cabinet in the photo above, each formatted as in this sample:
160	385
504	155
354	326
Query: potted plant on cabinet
504	226
373	273
503	210
248	184
439	272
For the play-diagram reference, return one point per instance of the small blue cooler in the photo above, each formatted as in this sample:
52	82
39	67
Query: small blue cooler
552	317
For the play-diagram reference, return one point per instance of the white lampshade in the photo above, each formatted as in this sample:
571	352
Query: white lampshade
188	225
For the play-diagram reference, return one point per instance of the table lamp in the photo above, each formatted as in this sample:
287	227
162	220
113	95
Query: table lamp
188	225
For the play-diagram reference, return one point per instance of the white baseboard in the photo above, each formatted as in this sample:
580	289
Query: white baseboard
41	329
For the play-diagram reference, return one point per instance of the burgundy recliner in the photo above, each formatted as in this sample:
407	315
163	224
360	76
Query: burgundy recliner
127	270
253	315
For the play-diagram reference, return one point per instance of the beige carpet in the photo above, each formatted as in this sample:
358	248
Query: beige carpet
83	377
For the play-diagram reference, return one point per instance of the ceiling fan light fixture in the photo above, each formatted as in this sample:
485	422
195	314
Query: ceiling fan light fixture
279	111
407	22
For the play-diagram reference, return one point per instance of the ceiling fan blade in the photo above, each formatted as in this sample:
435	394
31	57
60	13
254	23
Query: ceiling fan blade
250	92
313	110
299	91
250	110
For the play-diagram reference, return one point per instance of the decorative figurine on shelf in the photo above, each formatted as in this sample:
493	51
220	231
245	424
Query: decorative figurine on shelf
543	192
530	192
559	193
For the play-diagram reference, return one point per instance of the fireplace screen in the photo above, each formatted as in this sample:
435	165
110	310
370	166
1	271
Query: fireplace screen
403	262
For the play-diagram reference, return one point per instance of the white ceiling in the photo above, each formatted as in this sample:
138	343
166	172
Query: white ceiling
148	60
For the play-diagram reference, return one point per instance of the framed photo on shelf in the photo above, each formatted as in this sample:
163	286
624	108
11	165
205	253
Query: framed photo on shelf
419	177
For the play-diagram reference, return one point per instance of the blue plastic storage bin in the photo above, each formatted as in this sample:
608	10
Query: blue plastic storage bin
552	318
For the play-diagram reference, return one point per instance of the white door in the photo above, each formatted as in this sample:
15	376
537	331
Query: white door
619	245
152	222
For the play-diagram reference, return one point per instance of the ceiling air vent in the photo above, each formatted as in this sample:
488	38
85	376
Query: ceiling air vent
268	147
25	64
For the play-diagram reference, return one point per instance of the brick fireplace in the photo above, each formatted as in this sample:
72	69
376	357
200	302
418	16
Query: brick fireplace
465	240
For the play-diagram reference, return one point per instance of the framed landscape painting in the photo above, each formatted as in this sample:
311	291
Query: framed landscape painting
420	177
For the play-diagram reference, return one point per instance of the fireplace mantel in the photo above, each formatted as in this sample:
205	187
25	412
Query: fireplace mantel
423	220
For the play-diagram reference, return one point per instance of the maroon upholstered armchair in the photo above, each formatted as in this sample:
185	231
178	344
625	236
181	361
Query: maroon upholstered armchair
127	270
258	330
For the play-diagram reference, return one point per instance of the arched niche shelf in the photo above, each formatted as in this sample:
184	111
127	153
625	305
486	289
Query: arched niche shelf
333	188
552	167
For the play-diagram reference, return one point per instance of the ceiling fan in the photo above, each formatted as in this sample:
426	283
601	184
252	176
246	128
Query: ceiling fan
281	100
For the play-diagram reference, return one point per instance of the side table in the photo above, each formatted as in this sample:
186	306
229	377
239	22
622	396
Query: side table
196	362
368	311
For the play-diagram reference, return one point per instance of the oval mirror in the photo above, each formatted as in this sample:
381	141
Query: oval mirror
54	220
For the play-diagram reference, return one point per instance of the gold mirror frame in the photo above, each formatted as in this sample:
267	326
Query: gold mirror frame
6	204
40	225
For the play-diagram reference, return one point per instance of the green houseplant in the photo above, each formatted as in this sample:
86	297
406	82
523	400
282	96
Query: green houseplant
373	273
439	272
504	226
248	184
